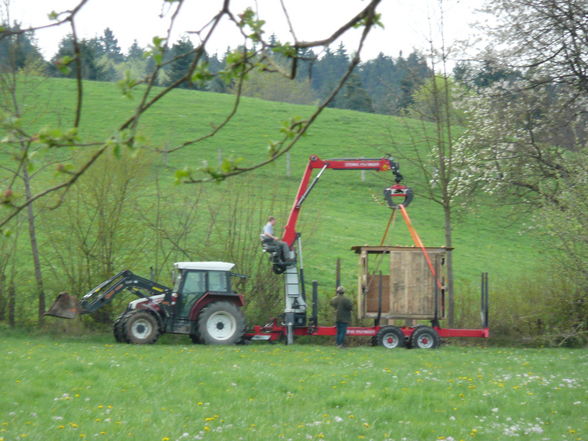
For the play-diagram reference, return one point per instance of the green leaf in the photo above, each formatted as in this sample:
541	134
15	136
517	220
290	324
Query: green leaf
182	173
156	50
285	49
63	64
55	137
377	21
201	74
272	148
65	168
127	84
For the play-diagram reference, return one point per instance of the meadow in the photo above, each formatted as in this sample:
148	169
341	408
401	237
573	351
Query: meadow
77	388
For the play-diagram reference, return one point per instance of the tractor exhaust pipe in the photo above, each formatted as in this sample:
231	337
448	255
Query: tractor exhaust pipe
65	306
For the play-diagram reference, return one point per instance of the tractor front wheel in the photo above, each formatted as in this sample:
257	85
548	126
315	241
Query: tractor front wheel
141	327
221	323
118	328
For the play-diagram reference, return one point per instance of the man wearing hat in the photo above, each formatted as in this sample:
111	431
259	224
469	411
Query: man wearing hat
343	306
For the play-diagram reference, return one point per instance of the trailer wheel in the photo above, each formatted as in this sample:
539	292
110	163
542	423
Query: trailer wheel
221	323
409	339
141	327
118	328
425	337
391	337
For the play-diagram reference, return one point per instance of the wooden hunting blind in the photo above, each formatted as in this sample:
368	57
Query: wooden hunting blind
407	288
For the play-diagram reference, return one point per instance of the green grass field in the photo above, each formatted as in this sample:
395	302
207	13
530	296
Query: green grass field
64	388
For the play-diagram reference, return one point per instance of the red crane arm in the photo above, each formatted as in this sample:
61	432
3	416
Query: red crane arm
314	162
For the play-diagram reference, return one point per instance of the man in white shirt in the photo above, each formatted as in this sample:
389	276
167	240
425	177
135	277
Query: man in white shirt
268	234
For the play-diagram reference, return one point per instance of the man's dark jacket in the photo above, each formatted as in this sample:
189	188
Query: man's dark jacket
344	307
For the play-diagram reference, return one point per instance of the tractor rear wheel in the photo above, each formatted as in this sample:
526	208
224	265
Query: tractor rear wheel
221	323
141	327
391	337
118	329
425	337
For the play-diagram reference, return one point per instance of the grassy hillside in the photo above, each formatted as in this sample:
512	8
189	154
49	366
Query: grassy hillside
341	211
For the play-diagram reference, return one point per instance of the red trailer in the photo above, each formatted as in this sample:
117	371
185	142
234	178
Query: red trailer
294	321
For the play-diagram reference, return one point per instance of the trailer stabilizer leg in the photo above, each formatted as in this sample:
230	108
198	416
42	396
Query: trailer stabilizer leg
289	328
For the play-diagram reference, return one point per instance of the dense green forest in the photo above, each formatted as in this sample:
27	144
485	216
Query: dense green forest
382	85
136	160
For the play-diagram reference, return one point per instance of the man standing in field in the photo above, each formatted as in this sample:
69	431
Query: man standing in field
343	306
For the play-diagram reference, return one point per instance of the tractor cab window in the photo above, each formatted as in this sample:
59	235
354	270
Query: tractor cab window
194	283
218	281
194	286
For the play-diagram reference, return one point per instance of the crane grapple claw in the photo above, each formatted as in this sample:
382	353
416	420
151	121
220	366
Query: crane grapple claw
402	193
65	306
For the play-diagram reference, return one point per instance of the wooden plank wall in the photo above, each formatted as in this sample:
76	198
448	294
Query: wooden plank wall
408	289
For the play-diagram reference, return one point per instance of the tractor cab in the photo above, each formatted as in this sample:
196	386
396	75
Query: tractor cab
192	280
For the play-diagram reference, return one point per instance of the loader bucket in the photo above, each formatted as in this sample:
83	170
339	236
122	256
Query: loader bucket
65	306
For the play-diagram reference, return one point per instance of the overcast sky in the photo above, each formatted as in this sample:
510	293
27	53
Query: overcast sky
408	24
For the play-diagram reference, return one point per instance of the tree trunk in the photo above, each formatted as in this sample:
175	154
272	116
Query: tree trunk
449	262
2	298
34	247
12	304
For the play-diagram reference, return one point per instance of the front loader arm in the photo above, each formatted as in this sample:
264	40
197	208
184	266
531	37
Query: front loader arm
107	290
68	307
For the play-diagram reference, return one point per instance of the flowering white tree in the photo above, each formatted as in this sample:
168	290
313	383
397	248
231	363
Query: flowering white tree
527	138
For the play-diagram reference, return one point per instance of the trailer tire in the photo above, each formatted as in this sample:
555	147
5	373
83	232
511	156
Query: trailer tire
221	323
409	339
425	337
141	327
391	337
118	328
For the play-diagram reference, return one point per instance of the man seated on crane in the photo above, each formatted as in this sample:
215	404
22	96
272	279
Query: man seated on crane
268	238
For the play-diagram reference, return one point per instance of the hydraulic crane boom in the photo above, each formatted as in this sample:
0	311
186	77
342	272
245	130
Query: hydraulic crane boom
314	162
